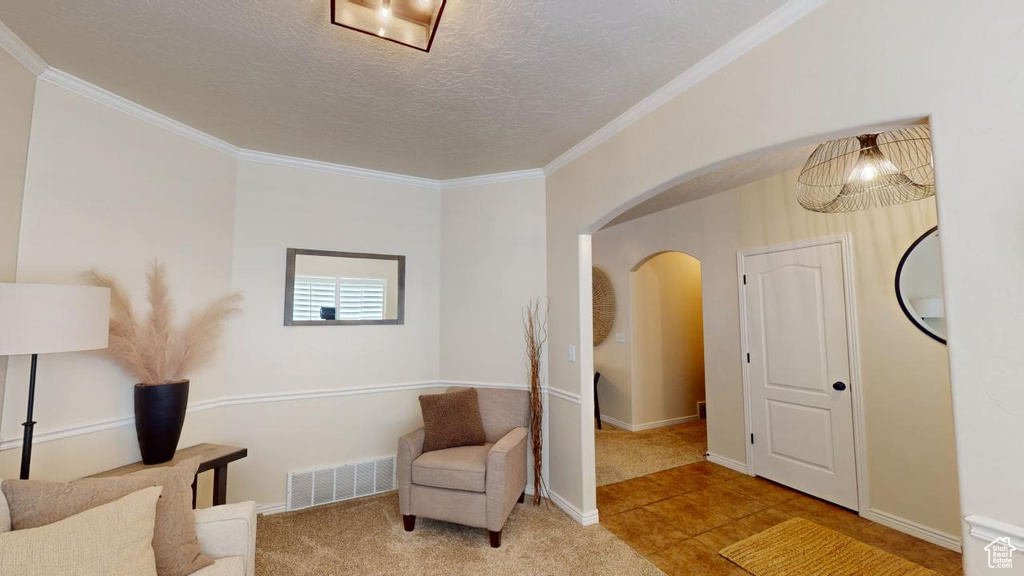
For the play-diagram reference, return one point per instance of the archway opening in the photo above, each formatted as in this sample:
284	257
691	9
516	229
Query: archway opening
882	346
650	392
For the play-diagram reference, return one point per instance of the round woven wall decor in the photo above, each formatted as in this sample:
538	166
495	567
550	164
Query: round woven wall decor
604	305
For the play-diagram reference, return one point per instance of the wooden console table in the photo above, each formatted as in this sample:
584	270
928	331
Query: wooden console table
214	457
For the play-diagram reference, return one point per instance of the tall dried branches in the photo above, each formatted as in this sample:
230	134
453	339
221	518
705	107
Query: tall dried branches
153	349
535	328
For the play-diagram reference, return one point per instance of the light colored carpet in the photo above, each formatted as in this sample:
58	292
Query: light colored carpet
798	546
623	455
366	537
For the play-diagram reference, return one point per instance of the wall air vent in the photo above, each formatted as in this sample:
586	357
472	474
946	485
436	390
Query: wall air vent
343	482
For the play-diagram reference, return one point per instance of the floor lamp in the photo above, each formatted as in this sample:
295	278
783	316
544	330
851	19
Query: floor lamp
44	319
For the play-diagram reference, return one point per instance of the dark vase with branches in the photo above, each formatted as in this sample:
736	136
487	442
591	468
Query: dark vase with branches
159	354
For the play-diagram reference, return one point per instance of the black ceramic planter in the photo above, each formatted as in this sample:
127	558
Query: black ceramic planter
159	416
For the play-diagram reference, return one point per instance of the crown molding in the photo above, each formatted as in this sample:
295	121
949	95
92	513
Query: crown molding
291	161
88	90
21	51
750	38
784	16
498	178
78	86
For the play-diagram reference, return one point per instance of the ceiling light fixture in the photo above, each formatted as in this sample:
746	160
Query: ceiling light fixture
870	170
411	23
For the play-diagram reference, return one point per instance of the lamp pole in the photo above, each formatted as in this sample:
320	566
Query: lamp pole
26	443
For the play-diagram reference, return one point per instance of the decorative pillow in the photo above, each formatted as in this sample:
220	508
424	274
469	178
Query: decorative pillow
451	420
115	539
34	503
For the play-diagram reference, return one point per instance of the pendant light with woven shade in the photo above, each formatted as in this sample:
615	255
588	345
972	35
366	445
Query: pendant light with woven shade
882	169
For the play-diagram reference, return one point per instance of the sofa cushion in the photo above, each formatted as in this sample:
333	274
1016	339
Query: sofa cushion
230	566
34	503
5	512
115	539
463	468
451	420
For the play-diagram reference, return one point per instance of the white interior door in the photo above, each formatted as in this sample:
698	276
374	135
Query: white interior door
801	410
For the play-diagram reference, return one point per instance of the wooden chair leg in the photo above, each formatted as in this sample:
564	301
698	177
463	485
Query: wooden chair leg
410	522
522	498
597	402
495	538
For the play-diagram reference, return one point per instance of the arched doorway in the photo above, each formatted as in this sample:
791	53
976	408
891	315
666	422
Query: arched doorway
652	365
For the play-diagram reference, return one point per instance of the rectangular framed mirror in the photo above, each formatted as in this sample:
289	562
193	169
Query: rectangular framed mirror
324	288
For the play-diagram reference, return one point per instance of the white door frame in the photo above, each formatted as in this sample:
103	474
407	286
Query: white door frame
845	242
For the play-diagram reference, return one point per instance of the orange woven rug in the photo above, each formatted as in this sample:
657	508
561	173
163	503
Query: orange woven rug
801	547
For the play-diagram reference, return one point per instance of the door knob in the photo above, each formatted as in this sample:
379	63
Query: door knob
839	386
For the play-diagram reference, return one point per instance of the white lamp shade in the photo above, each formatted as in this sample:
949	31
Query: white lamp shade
45	318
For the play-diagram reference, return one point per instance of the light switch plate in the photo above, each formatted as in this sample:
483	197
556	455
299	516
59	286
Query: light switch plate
620	337
572	353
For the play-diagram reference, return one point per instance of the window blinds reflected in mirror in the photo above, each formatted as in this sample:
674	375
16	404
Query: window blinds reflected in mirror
343	288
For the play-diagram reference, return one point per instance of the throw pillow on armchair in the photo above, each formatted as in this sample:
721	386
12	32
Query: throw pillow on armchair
451	420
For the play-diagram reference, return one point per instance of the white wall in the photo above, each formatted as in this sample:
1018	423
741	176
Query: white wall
16	118
910	454
492	264
667	339
656	374
109	191
282	207
817	78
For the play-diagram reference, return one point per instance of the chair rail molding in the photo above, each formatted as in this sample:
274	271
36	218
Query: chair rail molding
563	394
80	429
988	529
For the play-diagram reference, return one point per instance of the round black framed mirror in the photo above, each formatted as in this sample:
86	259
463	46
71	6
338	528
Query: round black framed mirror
919	285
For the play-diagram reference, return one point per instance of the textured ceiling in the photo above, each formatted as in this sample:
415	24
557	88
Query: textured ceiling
508	85
719	181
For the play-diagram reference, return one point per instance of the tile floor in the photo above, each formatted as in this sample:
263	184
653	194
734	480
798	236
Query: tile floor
680	518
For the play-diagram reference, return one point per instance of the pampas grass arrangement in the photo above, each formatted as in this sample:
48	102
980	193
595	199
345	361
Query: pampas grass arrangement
151	348
535	327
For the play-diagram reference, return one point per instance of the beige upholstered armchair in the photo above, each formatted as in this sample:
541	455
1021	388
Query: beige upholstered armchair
471	485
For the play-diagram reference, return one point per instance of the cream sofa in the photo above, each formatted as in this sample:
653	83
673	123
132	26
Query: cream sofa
471	485
226	533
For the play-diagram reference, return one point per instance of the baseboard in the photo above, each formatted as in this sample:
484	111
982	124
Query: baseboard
884	518
271	509
649	425
575	513
567	507
914	529
728	463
